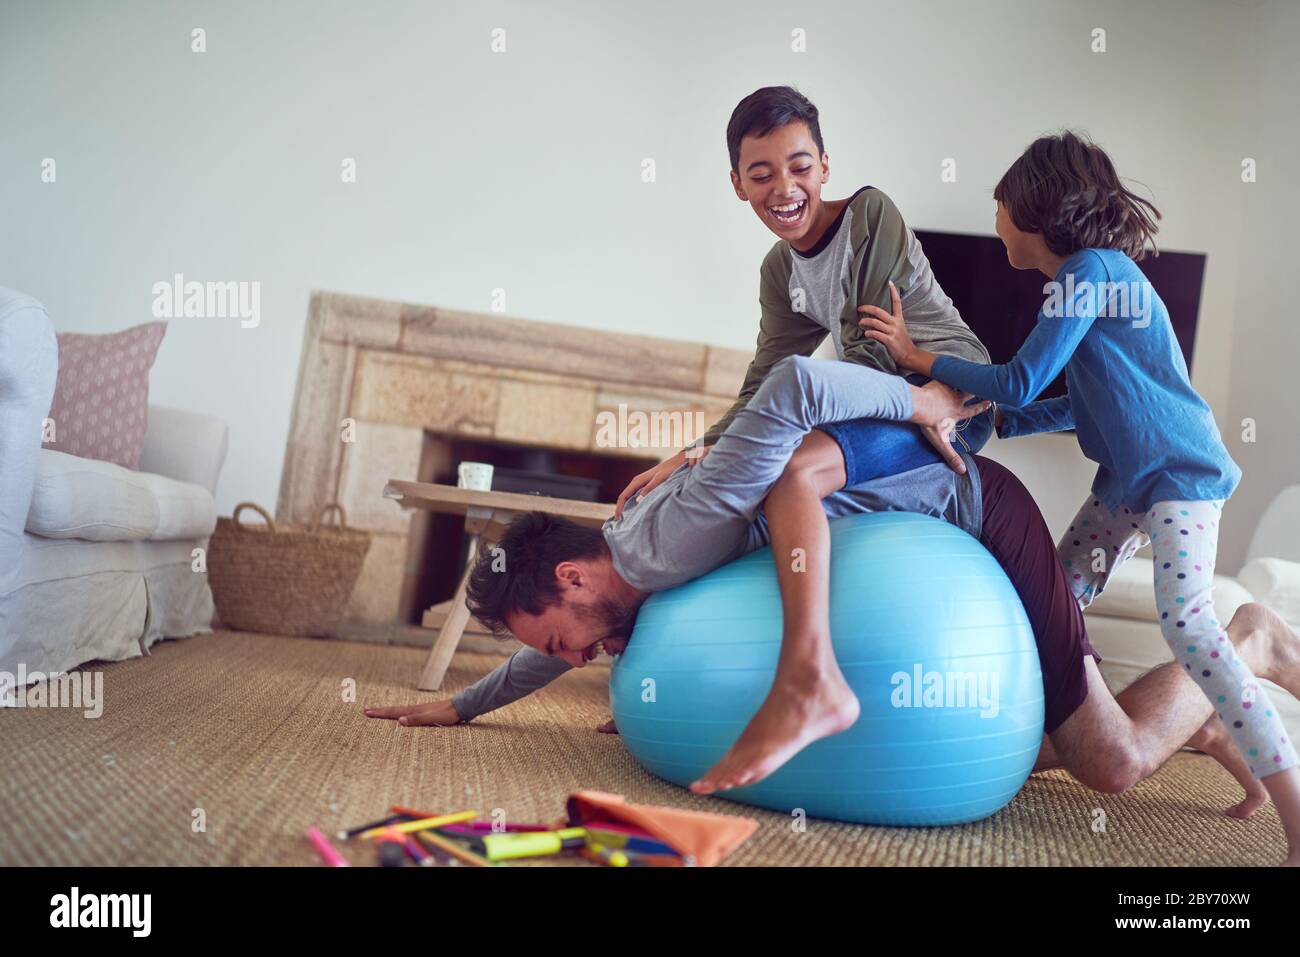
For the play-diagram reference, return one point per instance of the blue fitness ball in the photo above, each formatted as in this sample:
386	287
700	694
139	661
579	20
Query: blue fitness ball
930	635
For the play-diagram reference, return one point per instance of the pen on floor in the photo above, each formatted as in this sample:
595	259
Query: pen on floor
479	828
361	828
450	847
440	855
325	849
417	852
417	815
410	827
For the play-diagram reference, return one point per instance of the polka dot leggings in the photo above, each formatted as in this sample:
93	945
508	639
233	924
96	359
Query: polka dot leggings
1184	537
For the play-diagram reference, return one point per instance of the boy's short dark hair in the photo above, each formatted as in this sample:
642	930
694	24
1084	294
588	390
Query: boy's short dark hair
1065	187
517	573
766	109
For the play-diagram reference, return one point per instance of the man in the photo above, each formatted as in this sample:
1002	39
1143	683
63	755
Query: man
566	590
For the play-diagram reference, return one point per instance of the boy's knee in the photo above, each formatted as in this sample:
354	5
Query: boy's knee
785	386
794	481
793	363
788	373
817	466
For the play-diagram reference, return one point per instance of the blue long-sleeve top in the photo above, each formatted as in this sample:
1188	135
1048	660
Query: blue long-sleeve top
1130	400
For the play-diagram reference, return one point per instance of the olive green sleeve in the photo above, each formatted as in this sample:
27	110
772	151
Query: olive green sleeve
781	332
883	258
885	250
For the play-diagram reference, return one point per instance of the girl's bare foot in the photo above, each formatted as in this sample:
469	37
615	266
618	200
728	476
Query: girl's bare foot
1214	740
800	709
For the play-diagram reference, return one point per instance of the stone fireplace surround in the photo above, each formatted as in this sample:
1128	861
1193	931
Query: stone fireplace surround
405	373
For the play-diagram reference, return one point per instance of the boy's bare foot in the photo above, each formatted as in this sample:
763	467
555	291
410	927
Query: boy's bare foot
1268	645
1214	740
800	709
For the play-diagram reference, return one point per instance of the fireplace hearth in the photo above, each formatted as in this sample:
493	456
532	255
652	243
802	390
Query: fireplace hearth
390	390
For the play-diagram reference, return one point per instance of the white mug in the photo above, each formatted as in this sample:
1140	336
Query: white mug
475	475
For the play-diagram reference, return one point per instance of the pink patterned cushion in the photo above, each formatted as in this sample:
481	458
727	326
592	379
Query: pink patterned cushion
101	398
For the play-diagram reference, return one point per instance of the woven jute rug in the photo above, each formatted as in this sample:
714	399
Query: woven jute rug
225	748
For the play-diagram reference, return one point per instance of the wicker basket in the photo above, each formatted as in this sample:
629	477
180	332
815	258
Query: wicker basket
284	579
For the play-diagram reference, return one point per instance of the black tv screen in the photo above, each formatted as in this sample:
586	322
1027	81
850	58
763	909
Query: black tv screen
1001	304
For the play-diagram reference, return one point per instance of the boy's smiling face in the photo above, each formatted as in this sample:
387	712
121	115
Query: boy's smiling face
781	177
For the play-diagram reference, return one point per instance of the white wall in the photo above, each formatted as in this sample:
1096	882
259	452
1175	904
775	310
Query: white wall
522	170
1265	327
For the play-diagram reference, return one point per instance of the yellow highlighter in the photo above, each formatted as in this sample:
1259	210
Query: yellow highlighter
410	827
500	847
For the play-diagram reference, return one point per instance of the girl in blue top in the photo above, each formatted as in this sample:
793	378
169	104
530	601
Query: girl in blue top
1163	470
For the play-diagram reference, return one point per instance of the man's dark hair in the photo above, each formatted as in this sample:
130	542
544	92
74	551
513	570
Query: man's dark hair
1065	187
517	572
766	109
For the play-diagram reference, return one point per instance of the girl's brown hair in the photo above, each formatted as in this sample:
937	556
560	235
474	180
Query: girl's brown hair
1065	187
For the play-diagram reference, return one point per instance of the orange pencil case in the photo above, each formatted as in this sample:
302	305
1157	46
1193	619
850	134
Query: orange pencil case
708	838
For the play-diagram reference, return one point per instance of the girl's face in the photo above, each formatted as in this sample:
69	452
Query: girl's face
1023	249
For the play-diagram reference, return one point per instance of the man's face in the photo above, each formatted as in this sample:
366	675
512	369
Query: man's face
781	177
586	616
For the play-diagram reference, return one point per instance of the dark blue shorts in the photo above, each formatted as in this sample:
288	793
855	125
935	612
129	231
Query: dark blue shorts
874	448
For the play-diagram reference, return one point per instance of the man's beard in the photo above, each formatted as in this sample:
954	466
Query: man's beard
612	619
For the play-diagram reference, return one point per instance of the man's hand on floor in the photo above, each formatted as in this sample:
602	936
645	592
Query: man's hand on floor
607	727
439	713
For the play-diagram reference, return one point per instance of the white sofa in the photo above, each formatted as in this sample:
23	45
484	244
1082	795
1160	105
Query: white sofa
96	561
1122	622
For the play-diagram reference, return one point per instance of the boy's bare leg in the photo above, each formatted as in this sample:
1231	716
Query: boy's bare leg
809	698
1111	744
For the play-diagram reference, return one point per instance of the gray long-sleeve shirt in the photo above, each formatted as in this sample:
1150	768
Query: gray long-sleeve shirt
705	516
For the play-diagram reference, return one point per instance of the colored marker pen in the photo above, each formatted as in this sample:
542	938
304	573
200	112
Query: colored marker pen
326	850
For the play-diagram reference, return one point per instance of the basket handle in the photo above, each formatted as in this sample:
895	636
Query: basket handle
331	507
270	522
